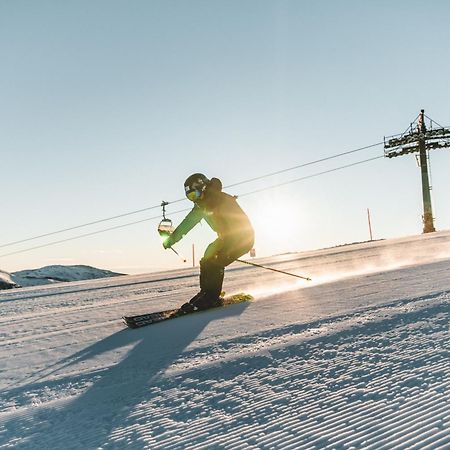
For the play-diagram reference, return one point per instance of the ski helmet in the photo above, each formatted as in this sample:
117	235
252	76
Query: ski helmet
195	185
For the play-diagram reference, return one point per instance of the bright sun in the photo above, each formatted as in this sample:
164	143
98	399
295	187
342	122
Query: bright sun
277	226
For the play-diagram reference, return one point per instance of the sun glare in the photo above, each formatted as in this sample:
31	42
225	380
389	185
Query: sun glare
276	226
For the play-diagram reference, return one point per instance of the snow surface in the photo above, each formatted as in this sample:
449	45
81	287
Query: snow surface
356	359
58	273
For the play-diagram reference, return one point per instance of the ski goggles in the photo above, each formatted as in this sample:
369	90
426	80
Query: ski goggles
194	192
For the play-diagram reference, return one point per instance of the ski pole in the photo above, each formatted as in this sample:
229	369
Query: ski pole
272	269
176	253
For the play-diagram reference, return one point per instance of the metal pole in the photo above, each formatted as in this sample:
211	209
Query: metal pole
193	255
428	222
273	270
370	225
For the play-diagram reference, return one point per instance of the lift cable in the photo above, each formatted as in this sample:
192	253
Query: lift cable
9	244
310	176
89	234
187	209
84	225
304	165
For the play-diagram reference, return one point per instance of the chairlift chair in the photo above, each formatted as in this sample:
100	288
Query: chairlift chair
165	227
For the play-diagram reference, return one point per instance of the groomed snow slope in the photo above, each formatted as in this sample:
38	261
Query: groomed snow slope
358	358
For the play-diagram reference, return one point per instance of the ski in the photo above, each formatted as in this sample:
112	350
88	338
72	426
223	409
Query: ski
142	320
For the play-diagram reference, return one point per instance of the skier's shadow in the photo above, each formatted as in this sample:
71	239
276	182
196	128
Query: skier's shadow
87	422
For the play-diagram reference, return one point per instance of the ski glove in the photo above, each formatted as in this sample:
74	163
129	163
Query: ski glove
167	243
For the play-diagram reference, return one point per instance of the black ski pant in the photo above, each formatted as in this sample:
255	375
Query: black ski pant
218	255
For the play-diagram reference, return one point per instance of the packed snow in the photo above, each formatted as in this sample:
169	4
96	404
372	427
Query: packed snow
356	359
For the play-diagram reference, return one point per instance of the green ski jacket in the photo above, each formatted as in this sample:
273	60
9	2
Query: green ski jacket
222	213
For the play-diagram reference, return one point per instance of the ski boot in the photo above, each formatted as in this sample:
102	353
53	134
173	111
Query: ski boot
201	301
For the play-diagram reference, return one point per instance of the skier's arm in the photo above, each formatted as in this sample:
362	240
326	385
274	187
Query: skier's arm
189	222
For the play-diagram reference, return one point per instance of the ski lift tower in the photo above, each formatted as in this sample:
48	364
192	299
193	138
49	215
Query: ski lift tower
418	139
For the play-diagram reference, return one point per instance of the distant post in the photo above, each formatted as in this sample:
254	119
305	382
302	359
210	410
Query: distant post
370	225
193	255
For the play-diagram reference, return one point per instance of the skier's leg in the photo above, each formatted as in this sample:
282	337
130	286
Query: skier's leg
233	248
211	276
211	279
218	255
212	270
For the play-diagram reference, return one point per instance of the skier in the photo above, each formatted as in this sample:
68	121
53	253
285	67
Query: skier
235	236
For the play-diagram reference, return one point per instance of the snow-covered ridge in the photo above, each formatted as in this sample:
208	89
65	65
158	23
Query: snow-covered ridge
6	281
53	274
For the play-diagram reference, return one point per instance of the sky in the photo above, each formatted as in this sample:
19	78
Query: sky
106	107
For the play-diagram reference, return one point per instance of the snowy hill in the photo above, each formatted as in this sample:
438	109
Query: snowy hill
6	281
57	273
356	359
